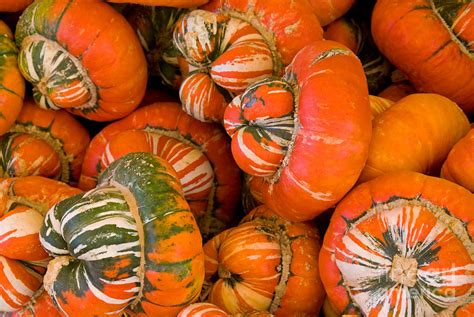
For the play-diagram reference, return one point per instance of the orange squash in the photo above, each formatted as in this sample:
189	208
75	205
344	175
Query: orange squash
459	166
14	5
83	56
23	204
266	263
199	152
237	44
312	143
431	42
44	142
131	242
12	85
414	134
401	245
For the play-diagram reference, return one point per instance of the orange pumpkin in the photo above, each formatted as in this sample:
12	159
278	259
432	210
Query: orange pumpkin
82	56
45	143
401	245
265	264
12	85
14	5
23	204
431	42
414	134
312	143
199	152
459	166
237	44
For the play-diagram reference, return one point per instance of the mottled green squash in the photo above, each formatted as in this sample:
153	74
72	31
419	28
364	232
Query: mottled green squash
129	243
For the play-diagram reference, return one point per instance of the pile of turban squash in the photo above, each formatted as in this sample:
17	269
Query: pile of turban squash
236	158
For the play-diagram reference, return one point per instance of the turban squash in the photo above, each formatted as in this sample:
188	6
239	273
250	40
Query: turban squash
44	142
237	44
83	56
12	85
266	263
23	203
459	166
431	42
198	151
401	245
131	242
414	134
312	143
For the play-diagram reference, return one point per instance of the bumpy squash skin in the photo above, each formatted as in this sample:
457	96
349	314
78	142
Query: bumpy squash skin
414	134
213	214
154	247
44	142
431	41
99	70
12	84
23	203
396	221
265	264
459	166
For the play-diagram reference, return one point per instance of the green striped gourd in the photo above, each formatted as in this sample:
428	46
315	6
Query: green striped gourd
131	242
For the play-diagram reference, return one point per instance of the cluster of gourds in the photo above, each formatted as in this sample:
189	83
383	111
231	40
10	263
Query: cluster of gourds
236	158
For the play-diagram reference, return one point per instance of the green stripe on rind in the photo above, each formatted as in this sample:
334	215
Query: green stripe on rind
38	19
448	11
8	57
158	196
84	226
150	183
